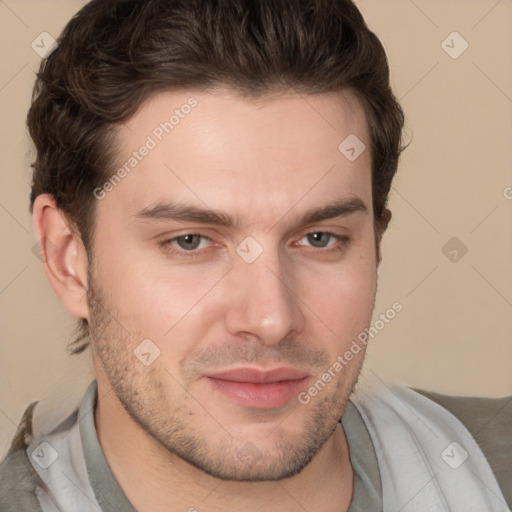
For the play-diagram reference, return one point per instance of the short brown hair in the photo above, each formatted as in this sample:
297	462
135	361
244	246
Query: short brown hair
114	54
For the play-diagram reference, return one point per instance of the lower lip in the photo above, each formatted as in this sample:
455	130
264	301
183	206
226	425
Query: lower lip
260	396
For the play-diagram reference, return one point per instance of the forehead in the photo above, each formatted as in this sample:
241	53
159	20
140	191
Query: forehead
218	148
212	113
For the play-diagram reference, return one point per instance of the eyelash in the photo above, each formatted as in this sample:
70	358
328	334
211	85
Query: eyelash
167	244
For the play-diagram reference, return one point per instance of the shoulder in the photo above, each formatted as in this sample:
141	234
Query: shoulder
480	415
18	483
18	479
489	421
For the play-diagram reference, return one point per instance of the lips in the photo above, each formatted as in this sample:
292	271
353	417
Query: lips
255	376
261	389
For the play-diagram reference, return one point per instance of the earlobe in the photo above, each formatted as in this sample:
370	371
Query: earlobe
63	255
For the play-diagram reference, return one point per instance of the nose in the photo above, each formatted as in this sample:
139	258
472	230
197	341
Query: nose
262	300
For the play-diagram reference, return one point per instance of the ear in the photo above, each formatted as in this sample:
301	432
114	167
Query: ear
63	255
380	226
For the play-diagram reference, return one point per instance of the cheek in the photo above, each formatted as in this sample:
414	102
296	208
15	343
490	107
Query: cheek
342	296
345	304
154	300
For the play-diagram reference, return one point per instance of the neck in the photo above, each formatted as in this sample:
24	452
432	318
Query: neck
153	479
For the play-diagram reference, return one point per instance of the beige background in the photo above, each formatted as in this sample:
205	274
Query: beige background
455	331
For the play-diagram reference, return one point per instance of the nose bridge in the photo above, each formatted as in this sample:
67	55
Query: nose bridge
263	302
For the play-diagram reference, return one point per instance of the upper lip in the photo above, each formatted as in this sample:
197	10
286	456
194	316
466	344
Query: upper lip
253	375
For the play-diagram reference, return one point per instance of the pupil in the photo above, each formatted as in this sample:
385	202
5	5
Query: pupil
314	238
188	240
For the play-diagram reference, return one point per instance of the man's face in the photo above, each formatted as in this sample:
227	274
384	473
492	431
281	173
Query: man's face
267	292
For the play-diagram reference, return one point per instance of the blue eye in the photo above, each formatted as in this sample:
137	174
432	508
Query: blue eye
189	241
324	236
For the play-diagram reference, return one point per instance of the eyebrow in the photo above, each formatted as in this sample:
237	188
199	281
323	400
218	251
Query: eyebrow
184	212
